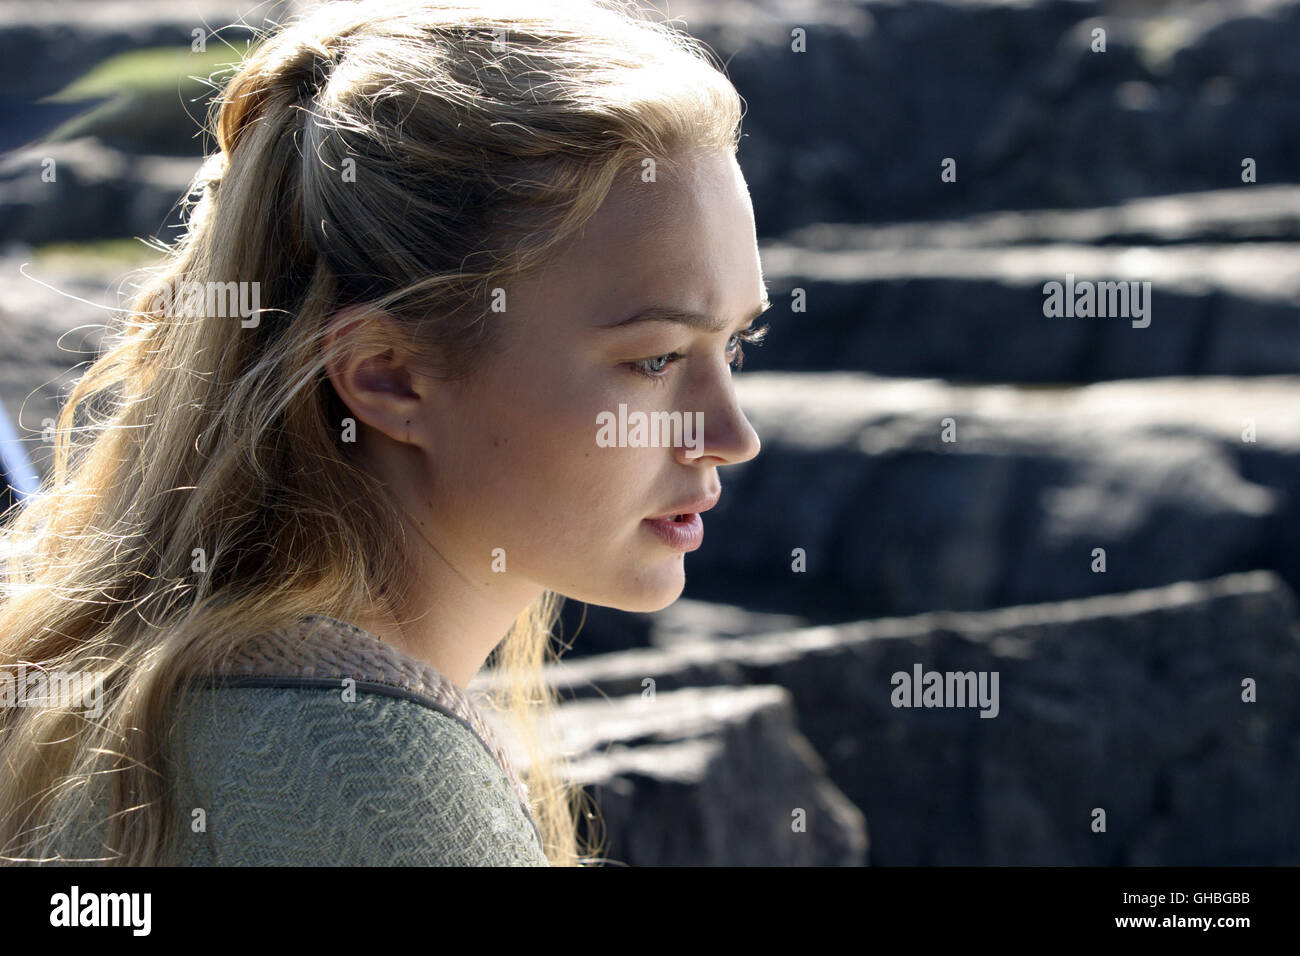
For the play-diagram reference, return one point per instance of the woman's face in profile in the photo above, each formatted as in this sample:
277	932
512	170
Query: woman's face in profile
516	456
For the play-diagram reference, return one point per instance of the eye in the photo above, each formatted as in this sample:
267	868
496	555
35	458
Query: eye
751	335
657	366
654	367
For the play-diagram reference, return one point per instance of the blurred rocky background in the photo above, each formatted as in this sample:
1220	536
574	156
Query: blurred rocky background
1102	514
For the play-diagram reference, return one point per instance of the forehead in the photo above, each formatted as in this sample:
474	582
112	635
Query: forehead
687	239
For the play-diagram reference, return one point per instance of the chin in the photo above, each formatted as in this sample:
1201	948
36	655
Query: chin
642	605
654	592
662	586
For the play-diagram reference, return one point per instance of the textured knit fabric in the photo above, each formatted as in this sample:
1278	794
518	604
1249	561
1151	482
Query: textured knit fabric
324	651
322	746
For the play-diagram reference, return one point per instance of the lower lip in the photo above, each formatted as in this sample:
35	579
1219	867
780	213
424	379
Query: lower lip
681	535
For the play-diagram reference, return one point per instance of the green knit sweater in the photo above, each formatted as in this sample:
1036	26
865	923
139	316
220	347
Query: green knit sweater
324	746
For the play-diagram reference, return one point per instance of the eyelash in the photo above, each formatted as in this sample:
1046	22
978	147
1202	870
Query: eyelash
751	336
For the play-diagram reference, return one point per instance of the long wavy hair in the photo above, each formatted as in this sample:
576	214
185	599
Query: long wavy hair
406	156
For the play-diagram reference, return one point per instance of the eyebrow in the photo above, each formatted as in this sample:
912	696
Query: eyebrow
699	320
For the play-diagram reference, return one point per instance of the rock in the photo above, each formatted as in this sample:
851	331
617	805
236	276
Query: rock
592	629
891	519
685	621
715	776
972	314
855	128
1255	213
44	335
97	193
1128	702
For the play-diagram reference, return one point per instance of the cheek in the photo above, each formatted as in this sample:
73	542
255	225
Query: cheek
560	489
535	453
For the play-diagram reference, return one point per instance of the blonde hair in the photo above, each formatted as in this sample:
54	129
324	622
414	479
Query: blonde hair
481	136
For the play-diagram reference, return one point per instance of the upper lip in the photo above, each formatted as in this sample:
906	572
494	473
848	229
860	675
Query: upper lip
694	506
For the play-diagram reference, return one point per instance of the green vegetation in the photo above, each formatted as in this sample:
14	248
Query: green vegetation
154	100
97	257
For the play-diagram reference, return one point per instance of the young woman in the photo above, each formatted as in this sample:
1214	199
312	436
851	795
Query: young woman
463	236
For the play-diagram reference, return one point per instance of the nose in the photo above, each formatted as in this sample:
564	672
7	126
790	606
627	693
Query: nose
724	435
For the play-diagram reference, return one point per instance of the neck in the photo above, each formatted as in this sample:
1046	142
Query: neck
455	621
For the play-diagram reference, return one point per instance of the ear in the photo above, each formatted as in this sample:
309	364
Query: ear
371	372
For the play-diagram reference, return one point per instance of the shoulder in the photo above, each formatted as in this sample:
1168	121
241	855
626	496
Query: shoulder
314	776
